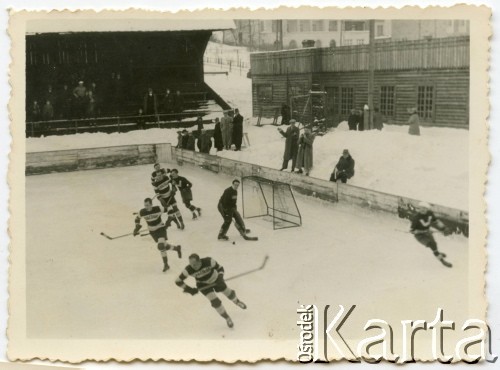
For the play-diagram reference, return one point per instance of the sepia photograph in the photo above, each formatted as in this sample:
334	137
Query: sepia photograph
260	178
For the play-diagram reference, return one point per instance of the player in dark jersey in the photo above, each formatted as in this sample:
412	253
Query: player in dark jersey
228	210
209	276
157	230
421	223
184	186
165	191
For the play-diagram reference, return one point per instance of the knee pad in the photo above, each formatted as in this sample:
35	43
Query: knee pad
216	303
232	294
162	247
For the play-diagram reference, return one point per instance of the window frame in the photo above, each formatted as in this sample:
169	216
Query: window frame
423	114
384	102
258	88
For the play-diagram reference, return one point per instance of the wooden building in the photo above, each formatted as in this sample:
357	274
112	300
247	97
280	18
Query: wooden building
432	75
122	58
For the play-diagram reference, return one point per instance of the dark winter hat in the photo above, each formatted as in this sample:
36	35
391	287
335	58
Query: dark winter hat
184	131
292	121
345	151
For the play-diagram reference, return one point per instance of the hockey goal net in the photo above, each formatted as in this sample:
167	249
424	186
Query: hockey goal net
272	200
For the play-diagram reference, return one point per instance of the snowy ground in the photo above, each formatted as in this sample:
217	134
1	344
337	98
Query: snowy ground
81	285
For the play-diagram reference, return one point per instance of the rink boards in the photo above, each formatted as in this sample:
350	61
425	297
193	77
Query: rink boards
130	155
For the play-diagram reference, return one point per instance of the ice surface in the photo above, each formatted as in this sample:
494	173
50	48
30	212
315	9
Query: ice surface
81	285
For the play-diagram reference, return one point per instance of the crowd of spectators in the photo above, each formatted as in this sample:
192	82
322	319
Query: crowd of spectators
91	100
227	134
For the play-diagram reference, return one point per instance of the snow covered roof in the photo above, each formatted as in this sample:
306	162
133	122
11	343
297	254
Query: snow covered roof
126	25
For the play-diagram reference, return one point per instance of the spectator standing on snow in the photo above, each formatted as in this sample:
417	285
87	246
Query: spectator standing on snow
291	145
344	169
305	152
204	142
285	114
237	135
352	120
378	120
413	122
226	126
218	143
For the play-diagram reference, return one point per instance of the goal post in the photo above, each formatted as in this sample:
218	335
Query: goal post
272	200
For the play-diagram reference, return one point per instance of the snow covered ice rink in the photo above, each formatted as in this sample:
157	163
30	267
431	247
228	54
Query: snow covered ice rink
82	285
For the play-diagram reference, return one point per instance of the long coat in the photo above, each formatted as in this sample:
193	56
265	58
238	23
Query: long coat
291	142
226	127
218	143
347	165
237	135
305	153
204	143
414	123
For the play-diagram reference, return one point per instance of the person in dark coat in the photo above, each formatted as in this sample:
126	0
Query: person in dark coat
48	111
285	114
167	102
361	120
344	169
204	142
199	125
178	102
237	129
190	143
352	120
378	120
291	145
35	112
218	143
150	106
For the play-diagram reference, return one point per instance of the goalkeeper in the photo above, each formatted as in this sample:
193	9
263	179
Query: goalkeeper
228	210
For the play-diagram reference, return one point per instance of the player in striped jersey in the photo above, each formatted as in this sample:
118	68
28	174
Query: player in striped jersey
209	276
165	190
157	230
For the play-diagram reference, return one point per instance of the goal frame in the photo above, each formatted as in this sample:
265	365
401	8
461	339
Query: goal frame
271	210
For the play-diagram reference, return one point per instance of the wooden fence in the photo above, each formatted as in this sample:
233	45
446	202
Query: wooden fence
130	155
445	53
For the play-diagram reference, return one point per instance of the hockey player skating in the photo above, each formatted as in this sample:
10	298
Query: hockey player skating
227	208
165	191
421	223
157	229
184	186
158	173
209	276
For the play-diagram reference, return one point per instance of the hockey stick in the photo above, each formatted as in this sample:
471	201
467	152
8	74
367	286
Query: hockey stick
250	271
239	275
115	237
119	236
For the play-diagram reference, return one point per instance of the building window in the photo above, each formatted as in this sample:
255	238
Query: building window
305	26
317	26
333	43
274	26
292	44
262	26
265	93
332	26
387	100
360	41
318	43
425	102
380	30
291	26
348	42
354	26
347	100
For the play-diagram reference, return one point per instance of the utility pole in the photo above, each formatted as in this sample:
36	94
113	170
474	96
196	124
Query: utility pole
371	73
250	33
279	34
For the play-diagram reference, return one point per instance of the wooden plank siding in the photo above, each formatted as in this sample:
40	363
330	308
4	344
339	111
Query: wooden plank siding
442	64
